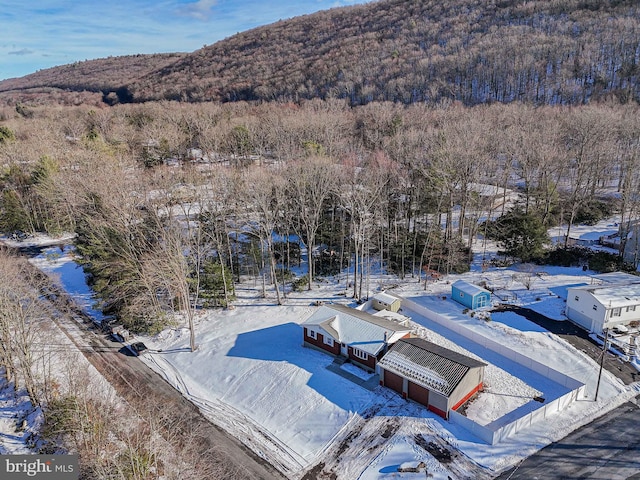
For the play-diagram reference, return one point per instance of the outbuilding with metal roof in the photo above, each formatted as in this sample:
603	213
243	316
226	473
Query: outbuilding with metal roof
431	375
384	301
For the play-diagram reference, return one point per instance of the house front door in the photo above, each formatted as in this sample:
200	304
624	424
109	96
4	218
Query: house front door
344	350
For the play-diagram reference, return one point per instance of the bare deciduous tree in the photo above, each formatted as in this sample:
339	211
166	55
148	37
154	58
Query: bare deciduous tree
310	181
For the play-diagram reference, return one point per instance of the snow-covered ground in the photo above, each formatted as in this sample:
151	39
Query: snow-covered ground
251	375
18	420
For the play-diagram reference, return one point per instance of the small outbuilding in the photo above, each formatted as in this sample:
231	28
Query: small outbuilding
384	301
434	376
470	295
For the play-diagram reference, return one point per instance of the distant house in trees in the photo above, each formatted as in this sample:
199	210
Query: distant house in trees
470	295
384	301
436	377
358	336
631	240
492	197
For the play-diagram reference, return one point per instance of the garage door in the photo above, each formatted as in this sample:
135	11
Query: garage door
418	394
393	381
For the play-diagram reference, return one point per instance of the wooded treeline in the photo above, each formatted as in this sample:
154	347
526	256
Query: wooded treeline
175	204
546	52
71	409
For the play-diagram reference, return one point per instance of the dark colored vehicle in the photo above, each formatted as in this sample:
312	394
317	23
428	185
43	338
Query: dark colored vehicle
138	348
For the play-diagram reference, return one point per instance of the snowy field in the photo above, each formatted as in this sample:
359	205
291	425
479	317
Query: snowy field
251	375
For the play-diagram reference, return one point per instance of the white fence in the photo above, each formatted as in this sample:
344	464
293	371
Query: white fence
522	417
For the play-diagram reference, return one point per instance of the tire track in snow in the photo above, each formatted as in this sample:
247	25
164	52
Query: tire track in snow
258	439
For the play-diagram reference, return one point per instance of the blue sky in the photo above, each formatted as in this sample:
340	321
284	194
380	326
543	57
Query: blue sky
39	34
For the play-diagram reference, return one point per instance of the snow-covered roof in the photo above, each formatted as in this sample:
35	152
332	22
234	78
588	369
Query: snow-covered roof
427	364
616	277
353	327
393	316
385	298
612	295
469	288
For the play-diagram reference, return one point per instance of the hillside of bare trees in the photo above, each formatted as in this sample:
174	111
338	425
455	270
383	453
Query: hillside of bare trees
88	82
404	51
404	187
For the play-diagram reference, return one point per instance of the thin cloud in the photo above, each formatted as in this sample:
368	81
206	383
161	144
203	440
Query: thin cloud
22	51
200	10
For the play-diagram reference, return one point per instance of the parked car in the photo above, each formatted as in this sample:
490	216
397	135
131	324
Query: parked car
119	333
138	348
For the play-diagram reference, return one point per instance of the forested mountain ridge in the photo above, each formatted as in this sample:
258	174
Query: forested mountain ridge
472	51
75	82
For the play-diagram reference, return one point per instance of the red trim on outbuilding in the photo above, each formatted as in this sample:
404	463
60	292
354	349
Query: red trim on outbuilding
437	411
467	397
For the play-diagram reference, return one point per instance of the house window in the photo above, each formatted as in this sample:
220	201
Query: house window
328	340
312	334
576	298
595	307
359	354
631	308
616	312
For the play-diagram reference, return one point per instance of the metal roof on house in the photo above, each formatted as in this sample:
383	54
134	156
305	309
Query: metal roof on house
469	288
427	364
355	328
613	296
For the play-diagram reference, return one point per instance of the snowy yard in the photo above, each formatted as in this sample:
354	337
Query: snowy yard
251	375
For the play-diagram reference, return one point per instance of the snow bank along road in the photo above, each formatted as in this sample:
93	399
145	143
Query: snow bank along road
137	383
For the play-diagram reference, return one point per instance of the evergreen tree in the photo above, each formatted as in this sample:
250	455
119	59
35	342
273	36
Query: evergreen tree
520	235
13	217
214	278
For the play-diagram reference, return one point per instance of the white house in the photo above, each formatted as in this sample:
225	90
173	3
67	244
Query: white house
606	306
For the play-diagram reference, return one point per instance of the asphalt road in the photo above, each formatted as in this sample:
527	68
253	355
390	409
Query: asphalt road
606	449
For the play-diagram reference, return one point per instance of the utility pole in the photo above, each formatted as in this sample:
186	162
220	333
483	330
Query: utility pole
604	351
